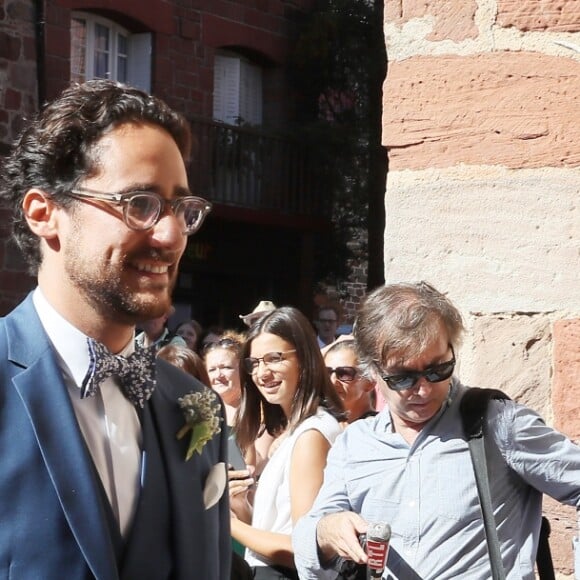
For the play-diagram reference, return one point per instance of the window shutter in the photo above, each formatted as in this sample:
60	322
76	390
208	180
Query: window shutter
251	94
139	61
226	93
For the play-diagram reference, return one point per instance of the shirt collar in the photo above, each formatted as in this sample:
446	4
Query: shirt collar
68	341
385	421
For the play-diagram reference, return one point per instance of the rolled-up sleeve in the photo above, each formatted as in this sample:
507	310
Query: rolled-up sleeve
546	459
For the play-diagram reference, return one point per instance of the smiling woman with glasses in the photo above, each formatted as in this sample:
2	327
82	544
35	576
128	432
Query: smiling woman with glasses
285	383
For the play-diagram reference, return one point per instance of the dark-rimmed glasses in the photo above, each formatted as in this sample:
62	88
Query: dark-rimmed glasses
143	209
433	374
251	363
343	374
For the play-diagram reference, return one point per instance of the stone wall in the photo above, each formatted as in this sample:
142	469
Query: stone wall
481	124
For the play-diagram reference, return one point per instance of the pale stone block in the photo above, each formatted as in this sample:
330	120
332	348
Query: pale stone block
510	352
497	240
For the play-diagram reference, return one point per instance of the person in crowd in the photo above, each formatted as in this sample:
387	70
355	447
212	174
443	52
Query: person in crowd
287	384
410	466
263	307
327	324
189	331
356	391
98	185
155	332
210	334
222	363
187	360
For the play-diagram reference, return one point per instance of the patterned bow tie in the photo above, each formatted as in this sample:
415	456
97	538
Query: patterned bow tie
135	372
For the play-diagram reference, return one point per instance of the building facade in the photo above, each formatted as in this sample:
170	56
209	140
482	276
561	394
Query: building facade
223	65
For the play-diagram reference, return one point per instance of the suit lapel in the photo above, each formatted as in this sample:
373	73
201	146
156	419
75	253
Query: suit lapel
148	554
47	402
185	479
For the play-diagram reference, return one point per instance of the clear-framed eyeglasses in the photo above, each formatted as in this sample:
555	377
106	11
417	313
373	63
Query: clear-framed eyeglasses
270	359
143	209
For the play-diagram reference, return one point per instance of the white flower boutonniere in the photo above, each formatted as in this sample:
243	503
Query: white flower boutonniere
202	418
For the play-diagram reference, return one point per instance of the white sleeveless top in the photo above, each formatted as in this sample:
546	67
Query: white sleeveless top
272	510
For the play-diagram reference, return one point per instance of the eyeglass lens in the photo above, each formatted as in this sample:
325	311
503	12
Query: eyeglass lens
143	210
433	374
345	374
251	364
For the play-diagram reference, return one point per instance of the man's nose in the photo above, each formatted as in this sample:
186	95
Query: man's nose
168	231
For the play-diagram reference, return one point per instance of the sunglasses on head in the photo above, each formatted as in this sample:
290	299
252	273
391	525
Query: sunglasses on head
344	374
433	374
221	343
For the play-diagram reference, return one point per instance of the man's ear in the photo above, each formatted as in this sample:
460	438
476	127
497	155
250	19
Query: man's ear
40	213
369	385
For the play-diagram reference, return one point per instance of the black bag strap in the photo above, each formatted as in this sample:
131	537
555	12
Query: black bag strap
544	557
473	410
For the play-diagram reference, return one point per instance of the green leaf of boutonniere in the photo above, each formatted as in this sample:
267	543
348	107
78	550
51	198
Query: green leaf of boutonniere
202	419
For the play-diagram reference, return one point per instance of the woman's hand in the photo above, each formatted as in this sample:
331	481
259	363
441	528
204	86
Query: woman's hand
239	483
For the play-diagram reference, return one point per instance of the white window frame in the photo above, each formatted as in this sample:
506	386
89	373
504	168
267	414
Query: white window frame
237	90
138	52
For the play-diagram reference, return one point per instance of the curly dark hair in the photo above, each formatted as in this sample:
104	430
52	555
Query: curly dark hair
314	386
57	148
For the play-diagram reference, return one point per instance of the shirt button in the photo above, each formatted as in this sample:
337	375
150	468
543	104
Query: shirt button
412	503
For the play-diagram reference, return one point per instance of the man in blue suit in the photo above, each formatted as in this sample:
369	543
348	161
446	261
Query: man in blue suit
94	481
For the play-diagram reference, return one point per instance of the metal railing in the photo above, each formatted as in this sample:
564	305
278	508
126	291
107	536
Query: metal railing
250	168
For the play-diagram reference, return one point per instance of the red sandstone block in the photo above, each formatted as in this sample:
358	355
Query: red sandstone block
58	41
9	46
12	100
29	46
505	108
566	383
549	15
218	32
189	29
263	21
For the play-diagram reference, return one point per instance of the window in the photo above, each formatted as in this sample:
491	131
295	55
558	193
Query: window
237	91
101	49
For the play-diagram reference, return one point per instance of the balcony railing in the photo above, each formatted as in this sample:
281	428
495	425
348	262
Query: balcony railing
249	168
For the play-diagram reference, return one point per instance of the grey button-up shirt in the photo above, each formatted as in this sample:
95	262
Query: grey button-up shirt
427	492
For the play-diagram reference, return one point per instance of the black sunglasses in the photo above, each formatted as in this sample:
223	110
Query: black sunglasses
433	374
344	374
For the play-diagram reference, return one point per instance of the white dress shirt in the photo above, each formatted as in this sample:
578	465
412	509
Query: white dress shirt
108	421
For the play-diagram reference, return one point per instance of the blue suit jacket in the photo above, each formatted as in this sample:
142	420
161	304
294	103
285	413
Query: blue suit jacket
53	523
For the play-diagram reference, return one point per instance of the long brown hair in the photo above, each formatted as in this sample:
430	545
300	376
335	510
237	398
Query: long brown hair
314	386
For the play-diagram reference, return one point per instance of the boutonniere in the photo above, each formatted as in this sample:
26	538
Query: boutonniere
202	418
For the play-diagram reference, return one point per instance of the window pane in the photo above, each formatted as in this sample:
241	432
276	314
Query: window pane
102	48
122	49
78	57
